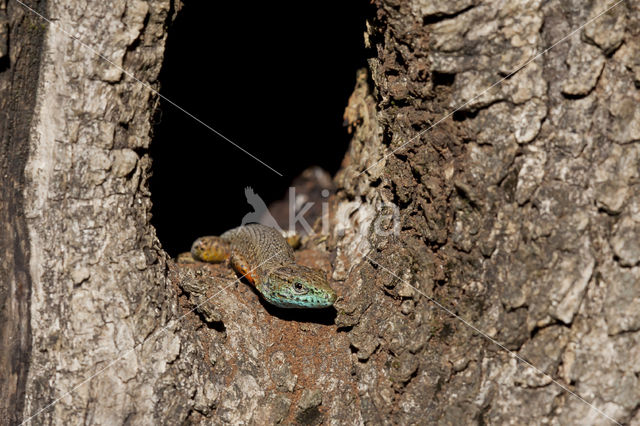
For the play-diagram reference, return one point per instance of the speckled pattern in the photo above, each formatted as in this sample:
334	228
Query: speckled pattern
263	257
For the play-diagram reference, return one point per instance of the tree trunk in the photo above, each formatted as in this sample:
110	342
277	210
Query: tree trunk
461	248
87	281
520	214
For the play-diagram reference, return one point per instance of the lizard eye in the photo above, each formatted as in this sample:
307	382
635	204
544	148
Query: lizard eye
299	288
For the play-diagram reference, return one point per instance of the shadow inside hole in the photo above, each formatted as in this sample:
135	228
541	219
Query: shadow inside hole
278	91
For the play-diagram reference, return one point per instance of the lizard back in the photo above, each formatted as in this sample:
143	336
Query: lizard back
261	246
264	258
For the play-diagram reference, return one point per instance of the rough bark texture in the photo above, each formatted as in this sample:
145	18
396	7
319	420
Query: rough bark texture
18	82
98	276
520	214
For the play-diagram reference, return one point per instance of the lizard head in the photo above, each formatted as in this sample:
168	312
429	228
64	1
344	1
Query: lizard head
296	286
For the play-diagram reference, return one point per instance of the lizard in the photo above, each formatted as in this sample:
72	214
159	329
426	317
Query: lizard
262	256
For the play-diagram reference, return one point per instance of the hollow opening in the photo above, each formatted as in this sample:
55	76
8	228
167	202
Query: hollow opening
273	79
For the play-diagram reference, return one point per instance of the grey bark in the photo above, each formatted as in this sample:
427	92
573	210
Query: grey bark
520	214
87	278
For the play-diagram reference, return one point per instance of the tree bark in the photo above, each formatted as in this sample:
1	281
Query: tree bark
87	279
519	214
18	82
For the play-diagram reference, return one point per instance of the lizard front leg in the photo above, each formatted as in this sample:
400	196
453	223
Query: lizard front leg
242	268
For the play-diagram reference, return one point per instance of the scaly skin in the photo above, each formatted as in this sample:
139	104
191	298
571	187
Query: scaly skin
263	256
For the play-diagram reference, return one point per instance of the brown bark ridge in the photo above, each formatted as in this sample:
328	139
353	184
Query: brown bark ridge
519	214
18	81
